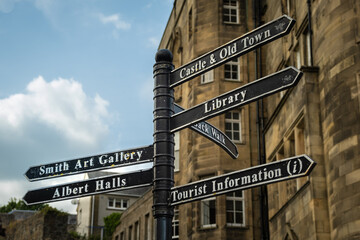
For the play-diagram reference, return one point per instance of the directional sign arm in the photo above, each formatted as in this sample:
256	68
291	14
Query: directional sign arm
212	133
233	49
89	187
246	94
91	163
277	171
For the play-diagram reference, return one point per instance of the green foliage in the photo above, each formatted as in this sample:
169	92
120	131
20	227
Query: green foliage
48	209
14	204
73	235
94	237
111	222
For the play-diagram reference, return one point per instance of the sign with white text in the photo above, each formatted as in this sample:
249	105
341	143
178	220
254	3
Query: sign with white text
89	187
91	163
209	131
277	171
246	94
235	48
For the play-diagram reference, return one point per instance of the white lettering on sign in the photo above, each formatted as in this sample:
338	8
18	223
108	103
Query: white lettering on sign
115	182
68	191
203	127
178	196
262	175
249	41
84	164
221	103
120	157
52	170
218	185
228	51
186	71
217	135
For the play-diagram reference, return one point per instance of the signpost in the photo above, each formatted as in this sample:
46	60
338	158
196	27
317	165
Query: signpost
209	131
165	195
91	163
250	92
233	49
277	171
89	187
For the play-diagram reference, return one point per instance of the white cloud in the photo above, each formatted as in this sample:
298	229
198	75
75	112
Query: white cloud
154	42
7	6
52	10
61	105
49	122
46	6
114	20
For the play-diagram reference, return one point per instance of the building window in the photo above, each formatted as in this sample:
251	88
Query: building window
79	216
297	57
117	203
130	233
208	210
302	51
147	227
190	24
231	11
137	231
207	77
233	125
232	70
288	7
307	48
122	236
235	209
175	223
177	151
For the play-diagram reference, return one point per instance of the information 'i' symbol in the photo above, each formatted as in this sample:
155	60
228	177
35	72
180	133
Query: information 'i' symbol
294	166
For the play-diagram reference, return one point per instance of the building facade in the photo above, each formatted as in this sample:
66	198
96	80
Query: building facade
318	117
92	210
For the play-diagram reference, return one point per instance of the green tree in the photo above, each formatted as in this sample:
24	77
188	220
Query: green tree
14	204
111	222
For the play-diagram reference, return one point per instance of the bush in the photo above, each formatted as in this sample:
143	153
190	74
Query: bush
111	222
14	204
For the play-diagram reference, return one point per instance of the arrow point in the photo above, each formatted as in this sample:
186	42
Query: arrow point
24	199
25	175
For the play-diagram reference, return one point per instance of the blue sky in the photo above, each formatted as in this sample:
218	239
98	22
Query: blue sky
75	80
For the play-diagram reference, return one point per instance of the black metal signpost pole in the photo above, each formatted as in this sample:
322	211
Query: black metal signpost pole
163	145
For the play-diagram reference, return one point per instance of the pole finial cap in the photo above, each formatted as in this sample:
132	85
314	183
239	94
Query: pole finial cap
163	55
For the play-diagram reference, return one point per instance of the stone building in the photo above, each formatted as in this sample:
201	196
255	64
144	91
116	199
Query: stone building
92	210
318	117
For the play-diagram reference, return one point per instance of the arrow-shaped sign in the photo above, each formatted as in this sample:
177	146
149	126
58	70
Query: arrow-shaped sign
277	171
233	49
209	131
250	92
89	187
91	163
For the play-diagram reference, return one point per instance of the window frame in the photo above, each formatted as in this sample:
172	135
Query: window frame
203	205
177	151
227	7
207	77
175	223
233	121
236	63
234	199
117	200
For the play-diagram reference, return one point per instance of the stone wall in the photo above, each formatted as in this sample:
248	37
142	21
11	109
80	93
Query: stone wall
45	225
327	100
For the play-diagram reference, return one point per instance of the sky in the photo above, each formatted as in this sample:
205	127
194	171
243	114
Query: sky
75	81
